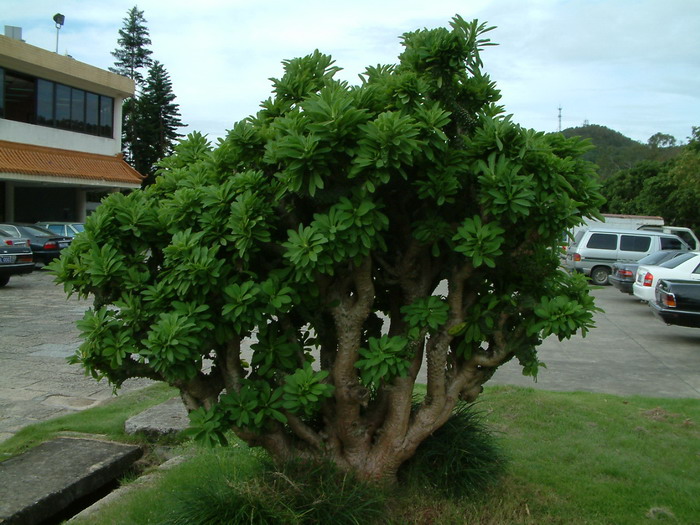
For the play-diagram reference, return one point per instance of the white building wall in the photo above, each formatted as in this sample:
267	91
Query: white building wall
59	138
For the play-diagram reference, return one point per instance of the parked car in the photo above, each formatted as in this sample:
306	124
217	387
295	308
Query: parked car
16	257
677	302
684	267
45	244
623	274
595	250
67	229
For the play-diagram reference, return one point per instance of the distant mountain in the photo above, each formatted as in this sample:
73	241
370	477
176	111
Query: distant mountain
614	152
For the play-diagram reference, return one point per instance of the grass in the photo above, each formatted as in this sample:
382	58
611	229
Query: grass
574	458
105	420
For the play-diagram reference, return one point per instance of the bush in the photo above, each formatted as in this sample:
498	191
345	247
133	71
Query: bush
296	493
462	458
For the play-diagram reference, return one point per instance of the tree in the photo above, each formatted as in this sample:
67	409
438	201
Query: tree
133	56
156	120
287	282
670	189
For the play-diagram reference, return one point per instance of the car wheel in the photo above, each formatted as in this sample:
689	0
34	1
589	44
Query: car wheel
4	279
599	275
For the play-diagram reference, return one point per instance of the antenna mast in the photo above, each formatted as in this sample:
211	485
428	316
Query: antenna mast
559	118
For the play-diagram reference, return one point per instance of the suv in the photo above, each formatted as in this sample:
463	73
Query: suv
595	250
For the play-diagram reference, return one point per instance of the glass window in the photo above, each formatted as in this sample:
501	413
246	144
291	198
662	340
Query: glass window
603	241
92	113
671	243
13	231
44	102
673	263
658	257
62	106
77	109
2	93
56	228
635	243
37	101
20	91
106	116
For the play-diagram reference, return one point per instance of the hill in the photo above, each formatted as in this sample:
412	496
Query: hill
614	152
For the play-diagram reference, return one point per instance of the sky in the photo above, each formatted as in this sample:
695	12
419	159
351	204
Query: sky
630	65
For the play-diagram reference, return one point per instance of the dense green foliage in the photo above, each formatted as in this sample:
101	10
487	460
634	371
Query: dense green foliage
461	459
288	281
614	152
670	188
156	121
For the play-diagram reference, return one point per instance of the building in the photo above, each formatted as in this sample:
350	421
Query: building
60	134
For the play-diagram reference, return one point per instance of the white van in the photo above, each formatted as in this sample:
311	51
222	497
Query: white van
595	250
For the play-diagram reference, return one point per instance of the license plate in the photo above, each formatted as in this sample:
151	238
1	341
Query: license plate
7	259
62	244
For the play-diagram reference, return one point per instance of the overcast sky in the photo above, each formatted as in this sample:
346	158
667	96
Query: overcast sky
630	65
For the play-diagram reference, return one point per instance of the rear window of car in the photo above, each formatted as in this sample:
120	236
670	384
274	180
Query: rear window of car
671	243
11	230
673	263
658	257
635	243
602	241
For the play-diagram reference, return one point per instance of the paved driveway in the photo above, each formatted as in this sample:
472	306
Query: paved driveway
629	353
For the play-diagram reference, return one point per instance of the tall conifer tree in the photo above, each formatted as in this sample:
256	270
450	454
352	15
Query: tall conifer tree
133	56
151	117
157	120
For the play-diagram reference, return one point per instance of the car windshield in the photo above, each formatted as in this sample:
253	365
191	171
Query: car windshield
673	263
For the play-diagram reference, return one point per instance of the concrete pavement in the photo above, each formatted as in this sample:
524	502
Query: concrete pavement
629	353
37	334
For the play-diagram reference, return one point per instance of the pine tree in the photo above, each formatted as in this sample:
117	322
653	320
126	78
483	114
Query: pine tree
133	55
156	120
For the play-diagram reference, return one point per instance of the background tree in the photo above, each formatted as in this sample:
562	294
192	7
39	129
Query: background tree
293	281
670	189
156	120
133	56
151	117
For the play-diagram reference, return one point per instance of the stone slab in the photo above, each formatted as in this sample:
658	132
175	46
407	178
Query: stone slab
164	419
47	479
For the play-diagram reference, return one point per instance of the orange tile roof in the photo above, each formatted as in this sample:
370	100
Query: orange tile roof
53	162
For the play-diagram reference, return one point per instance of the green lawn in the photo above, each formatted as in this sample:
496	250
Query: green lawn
574	458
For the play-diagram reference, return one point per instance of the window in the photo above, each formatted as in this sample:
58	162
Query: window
635	243
62	106
602	241
2	93
106	109
671	243
673	263
37	101
92	113
77	109
44	102
19	97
